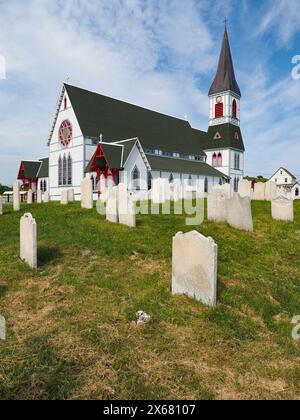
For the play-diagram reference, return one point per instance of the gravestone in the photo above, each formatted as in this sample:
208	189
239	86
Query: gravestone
270	190
16	196
28	240
216	205
112	206
126	207
39	197
283	209
227	190
245	188
46	197
194	267
71	197
2	328
259	191
29	197
1	205
86	189
64	197
239	213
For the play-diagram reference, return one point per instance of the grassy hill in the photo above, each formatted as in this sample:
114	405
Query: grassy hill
70	332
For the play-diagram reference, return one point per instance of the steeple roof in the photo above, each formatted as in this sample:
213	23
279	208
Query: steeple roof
225	77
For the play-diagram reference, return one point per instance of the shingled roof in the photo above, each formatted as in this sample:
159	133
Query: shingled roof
223	136
116	120
225	77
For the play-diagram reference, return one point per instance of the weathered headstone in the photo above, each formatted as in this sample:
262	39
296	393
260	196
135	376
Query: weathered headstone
270	190
2	328
46	197
86	188
216	205
227	190
239	213
126	207
29	197
1	205
64	197
259	191
112	206
245	188
28	240
39	197
194	272
283	209
16	196
71	196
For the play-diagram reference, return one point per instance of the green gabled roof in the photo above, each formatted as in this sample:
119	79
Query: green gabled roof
159	163
228	138
44	168
128	145
116	120
31	169
113	155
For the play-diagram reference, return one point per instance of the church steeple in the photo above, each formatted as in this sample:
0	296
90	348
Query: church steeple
225	94
225	77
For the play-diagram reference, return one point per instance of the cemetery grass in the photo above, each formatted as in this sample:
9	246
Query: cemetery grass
69	324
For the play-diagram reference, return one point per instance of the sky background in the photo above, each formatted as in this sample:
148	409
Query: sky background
160	54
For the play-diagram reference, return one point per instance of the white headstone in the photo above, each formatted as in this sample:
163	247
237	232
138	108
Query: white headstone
194	272
239	213
28	240
39	197
227	190
86	188
1	205
259	191
2	328
64	197
270	190
71	197
216	205
112	206
16	196
46	197
283	209
126	207
29	197
245	188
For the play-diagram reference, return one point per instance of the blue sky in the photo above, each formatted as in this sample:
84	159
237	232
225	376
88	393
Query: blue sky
160	54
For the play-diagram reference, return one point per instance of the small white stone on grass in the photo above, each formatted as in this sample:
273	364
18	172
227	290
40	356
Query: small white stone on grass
195	267
39	198
239	213
1	205
16	196
46	197
112	206
283	209
86	189
64	197
28	240
245	188
71	197
29	197
259	191
216	205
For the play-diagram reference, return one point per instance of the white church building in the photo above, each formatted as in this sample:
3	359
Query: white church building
111	141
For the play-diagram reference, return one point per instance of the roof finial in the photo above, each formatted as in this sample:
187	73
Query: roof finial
225	21
101	138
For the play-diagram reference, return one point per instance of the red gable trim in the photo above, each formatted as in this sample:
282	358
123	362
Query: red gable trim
98	155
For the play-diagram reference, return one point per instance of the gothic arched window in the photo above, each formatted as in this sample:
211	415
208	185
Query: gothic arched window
236	184
149	180
297	192
214	160
206	185
234	109
190	180
219	160
60	178
45	186
136	178
65	103
64	182
171	179
219	110
70	170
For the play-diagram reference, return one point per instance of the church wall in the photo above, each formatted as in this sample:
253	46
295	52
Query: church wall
75	149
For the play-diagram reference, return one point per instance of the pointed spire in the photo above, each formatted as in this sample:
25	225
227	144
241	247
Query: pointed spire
225	77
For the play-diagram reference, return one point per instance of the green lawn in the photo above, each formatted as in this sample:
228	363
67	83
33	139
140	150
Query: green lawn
70	331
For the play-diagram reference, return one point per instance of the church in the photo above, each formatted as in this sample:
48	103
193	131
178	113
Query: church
112	141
